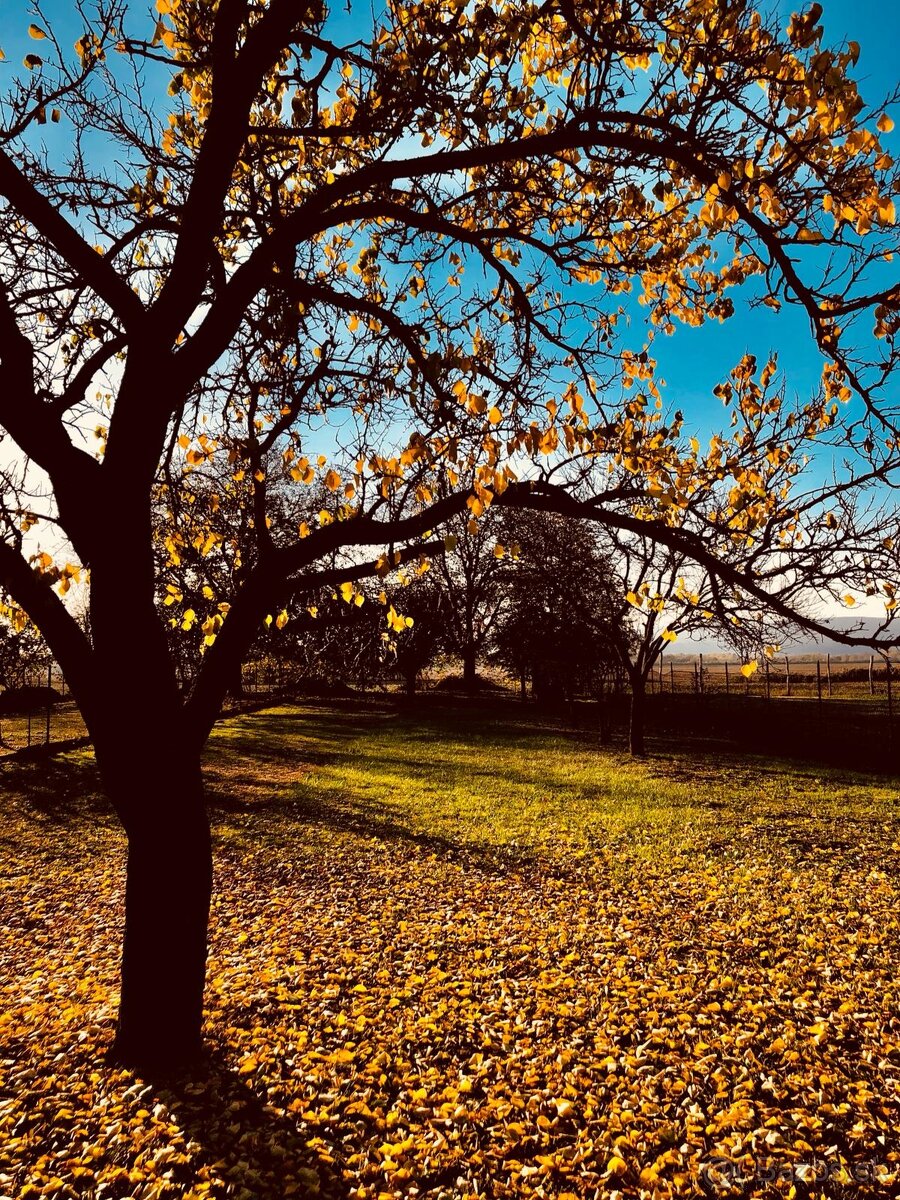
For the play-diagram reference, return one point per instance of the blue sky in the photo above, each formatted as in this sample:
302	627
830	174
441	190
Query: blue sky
693	360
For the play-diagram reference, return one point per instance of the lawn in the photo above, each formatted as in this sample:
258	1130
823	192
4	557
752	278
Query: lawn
466	952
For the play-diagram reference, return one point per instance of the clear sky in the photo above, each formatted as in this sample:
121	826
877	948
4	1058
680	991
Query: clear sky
692	361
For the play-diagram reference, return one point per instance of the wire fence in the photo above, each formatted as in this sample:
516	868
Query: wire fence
39	711
876	678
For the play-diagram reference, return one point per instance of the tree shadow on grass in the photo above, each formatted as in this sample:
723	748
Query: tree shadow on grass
333	811
53	784
253	1148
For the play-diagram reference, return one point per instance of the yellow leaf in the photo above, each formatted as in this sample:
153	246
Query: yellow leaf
749	669
495	416
668	635
35	31
849	600
885	124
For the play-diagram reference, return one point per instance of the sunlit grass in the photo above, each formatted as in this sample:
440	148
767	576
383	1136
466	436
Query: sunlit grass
496	778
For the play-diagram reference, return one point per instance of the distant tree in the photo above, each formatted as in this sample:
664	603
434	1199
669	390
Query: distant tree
470	571
418	614
554	627
23	651
328	638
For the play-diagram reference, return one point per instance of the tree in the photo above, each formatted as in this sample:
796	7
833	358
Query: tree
418	614
555	623
659	595
23	651
470	569
245	259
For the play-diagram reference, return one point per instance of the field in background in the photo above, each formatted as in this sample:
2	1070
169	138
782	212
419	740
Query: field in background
461	951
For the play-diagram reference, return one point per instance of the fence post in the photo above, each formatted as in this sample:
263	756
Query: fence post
660	675
787	675
700	674
49	704
871	674
828	673
727	685
819	682
768	685
890	693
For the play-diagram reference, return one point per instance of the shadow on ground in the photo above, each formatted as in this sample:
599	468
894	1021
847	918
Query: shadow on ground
257	1149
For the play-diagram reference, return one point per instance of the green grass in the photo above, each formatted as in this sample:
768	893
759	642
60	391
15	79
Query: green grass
492	778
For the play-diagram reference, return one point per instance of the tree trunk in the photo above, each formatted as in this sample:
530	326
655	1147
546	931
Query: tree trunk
523	687
236	682
636	724
167	898
470	662
411	682
156	788
149	763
